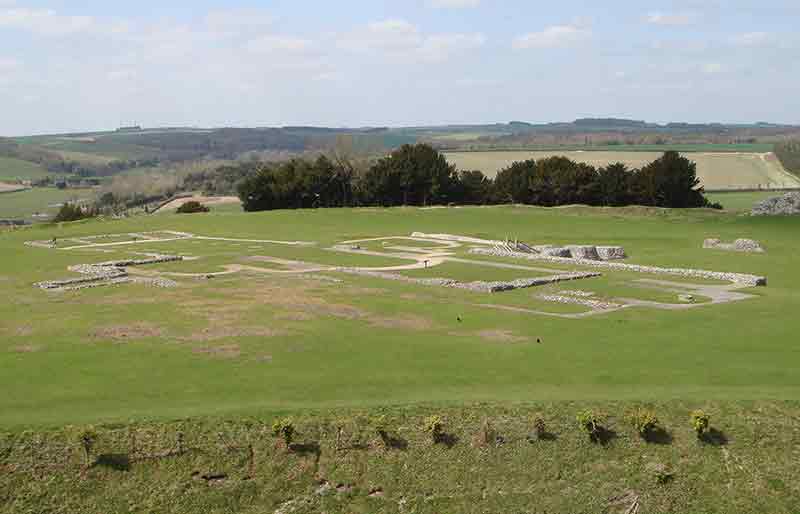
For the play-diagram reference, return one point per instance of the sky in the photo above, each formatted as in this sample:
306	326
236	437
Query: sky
91	65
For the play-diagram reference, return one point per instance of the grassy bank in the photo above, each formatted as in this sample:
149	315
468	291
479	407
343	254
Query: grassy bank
487	459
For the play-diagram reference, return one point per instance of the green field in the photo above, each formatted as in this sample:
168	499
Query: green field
741	202
717	170
703	351
96	148
16	169
24	204
213	361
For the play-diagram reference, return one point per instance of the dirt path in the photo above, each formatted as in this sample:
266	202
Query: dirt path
205	200
717	294
179	236
11	188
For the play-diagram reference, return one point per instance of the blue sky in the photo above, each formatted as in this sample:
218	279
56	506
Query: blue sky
68	66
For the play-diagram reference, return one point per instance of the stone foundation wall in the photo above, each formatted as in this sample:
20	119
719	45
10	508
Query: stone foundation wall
788	204
477	286
737	278
740	245
106	273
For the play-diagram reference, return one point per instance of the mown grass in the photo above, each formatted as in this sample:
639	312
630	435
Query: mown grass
371	342
217	361
741	202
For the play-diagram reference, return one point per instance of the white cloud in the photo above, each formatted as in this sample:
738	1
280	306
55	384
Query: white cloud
8	64
557	36
752	39
713	68
671	19
238	19
44	21
121	75
328	76
440	47
271	43
398	38
453	4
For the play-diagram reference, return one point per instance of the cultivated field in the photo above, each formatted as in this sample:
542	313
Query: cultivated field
722	170
16	169
336	317
42	201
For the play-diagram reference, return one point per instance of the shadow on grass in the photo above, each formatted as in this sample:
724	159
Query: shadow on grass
305	449
658	436
115	461
714	437
393	442
448	440
541	436
603	436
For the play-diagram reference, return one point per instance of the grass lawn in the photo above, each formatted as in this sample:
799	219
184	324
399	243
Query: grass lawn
133	351
184	383
741	202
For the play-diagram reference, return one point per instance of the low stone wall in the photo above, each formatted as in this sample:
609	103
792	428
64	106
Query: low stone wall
522	283
583	301
740	245
787	204
106	273
584	252
477	286
737	278
588	252
611	253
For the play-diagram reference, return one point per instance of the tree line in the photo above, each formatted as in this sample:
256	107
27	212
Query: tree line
418	175
788	152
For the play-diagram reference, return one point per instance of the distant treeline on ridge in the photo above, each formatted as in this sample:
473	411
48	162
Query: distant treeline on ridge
419	175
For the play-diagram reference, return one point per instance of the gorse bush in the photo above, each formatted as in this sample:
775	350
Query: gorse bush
192	208
381	426
434	426
700	422
73	212
86	438
284	428
539	430
488	434
590	422
643	421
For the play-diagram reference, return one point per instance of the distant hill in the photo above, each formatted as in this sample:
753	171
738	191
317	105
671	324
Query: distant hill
108	153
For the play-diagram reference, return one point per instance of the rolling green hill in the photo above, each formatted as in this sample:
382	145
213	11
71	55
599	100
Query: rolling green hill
16	169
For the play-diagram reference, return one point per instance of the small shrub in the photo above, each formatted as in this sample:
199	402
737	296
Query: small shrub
662	474
284	428
434	426
488	434
700	422
192	207
86	438
381	426
644	421
73	212
539	428
591	423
